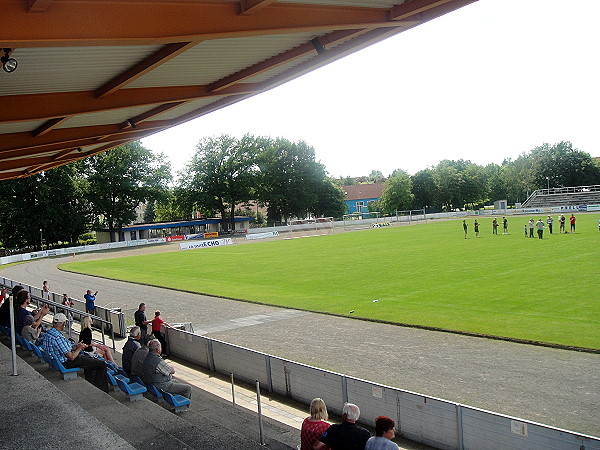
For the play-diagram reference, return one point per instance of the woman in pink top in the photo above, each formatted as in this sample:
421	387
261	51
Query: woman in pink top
156	323
315	425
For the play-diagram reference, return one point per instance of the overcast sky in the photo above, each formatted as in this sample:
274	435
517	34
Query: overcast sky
489	81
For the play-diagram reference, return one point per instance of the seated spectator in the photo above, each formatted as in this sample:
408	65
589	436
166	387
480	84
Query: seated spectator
130	347
93	349
21	311
346	435
3	295
57	346
384	432
160	374
138	358
5	308
156	330
33	335
314	426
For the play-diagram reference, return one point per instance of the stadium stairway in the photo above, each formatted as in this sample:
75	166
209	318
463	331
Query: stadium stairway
46	407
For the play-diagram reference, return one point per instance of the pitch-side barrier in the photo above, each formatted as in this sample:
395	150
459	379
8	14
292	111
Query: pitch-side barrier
431	421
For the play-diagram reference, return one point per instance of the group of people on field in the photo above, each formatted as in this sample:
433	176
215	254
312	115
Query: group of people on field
530	226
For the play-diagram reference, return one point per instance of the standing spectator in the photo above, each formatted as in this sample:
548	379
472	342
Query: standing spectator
93	348
156	330
130	347
160	374
495	226
505	225
385	430
45	290
561	222
540	228
57	346
525	230
572	220
465	227
346	435
531	227
550	221
599	225
66	301
140	319
21	311
90	302
314	426
476	227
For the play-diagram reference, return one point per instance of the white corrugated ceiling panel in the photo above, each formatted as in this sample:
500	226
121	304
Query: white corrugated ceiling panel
20	127
212	60
114	116
188	107
68	69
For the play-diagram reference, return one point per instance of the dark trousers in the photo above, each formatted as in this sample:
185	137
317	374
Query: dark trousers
540	233
163	342
531	232
94	369
550	227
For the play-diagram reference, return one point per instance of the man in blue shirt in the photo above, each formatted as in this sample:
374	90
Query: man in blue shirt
58	347
90	307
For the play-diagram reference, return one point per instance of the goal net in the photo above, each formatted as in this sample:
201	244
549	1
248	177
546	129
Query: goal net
362	220
310	227
409	216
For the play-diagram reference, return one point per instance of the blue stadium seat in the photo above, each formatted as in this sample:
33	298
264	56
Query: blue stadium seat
111	379
178	402
38	351
155	392
67	374
133	390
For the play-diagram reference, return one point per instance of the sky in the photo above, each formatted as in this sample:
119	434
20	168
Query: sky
487	82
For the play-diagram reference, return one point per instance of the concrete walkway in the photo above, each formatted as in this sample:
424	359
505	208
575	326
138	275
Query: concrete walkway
556	387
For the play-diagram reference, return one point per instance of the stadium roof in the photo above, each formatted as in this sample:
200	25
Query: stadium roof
95	74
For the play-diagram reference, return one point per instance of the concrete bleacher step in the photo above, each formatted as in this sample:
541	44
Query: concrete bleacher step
144	423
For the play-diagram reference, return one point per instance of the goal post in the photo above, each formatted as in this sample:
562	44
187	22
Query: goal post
361	220
410	215
310	227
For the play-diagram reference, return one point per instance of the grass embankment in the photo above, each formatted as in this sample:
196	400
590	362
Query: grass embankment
429	275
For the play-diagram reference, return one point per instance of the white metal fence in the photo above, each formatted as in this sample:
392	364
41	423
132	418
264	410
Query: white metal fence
432	421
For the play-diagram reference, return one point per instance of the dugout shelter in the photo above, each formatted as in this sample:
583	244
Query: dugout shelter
82	76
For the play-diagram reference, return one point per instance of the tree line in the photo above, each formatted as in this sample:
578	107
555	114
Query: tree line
226	173
462	184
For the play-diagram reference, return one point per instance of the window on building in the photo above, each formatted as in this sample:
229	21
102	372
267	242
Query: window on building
359	206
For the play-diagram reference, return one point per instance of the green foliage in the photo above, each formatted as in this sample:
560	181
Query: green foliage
122	178
425	275
397	194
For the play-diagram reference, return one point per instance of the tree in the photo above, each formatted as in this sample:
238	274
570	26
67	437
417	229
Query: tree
330	200
424	189
376	177
291	180
397	193
222	174
120	179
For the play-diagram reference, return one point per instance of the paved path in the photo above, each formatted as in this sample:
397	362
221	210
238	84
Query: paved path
551	386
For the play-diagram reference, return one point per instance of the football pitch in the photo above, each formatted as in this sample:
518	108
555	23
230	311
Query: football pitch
427	275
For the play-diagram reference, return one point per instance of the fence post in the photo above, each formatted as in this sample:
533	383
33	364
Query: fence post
459	426
344	389
260	424
211	358
232	390
269	377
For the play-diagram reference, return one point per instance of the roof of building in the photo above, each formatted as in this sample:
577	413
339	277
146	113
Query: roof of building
183	223
363	191
96	74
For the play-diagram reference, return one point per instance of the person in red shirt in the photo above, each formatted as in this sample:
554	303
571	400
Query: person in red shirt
314	426
156	323
572	220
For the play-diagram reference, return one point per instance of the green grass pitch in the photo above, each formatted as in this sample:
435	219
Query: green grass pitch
505	285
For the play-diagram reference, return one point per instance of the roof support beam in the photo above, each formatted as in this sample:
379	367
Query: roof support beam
277	60
253	6
126	23
21	108
134	121
38	5
48	126
405	10
158	58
